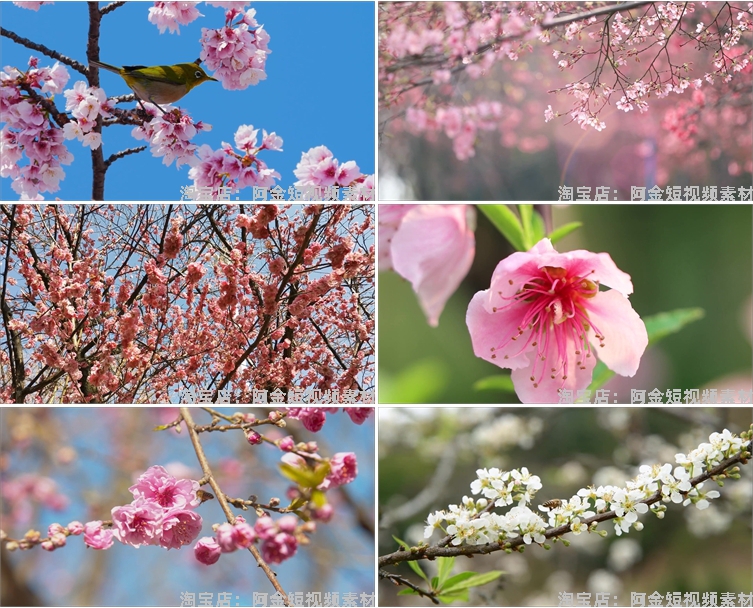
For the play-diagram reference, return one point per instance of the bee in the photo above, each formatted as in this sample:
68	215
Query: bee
552	504
203	496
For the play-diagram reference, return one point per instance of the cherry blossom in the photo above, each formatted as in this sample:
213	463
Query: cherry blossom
430	245
545	318
96	537
207	551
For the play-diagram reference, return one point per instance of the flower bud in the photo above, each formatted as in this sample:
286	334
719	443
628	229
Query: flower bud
75	528
11	545
47	545
207	551
54	529
225	538
32	535
286	444
254	438
274	416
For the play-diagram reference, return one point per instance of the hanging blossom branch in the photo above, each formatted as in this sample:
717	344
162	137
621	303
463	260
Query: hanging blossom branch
475	530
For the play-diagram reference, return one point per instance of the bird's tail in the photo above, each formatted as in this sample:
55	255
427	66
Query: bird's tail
105	66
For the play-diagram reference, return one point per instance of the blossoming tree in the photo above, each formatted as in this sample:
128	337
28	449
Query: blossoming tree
135	304
593	479
664	86
158	508
41	110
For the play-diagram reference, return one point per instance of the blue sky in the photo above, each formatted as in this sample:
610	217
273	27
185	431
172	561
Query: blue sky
110	442
319	88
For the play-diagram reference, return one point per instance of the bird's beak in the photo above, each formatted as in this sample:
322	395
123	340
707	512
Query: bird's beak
210	78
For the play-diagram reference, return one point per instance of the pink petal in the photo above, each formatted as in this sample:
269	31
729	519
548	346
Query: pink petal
595	267
389	218
547	389
489	330
625	336
433	248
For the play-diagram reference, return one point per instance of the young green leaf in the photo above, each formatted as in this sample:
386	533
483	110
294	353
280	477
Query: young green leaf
444	567
499	382
476	580
526	218
455	596
561	232
506	222
538	230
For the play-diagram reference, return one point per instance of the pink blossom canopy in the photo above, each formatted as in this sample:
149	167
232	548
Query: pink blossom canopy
545	319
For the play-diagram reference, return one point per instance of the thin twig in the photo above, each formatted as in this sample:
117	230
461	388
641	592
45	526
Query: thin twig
399	580
79	67
123	153
186	413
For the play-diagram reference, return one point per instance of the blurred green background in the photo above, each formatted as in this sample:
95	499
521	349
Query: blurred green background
428	458
678	256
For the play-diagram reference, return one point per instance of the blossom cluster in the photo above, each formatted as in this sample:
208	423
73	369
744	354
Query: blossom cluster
18	494
236	53
160	514
29	131
227	168
318	168
473	522
313	418
169	135
86	104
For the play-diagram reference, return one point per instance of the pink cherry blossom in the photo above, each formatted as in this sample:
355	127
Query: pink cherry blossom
76	528
170	15
545	318
207	551
157	485
430	245
179	527
244	534
358	414
278	548
96	537
139	523
343	469
225	536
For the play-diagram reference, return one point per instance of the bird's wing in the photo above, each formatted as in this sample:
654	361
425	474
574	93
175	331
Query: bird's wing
171	76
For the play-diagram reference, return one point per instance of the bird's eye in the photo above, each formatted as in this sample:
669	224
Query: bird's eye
198	74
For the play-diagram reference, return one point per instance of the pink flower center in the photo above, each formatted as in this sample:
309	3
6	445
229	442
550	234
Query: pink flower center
556	315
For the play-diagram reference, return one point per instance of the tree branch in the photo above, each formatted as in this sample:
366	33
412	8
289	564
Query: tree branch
186	413
79	67
441	550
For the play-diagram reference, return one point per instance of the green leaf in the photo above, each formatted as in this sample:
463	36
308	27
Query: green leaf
666	323
434	582
411	563
500	382
451	582
305	477
538	230
506	222
448	598
658	327
444	567
526	213
475	581
161	427
319	498
407	591
561	232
